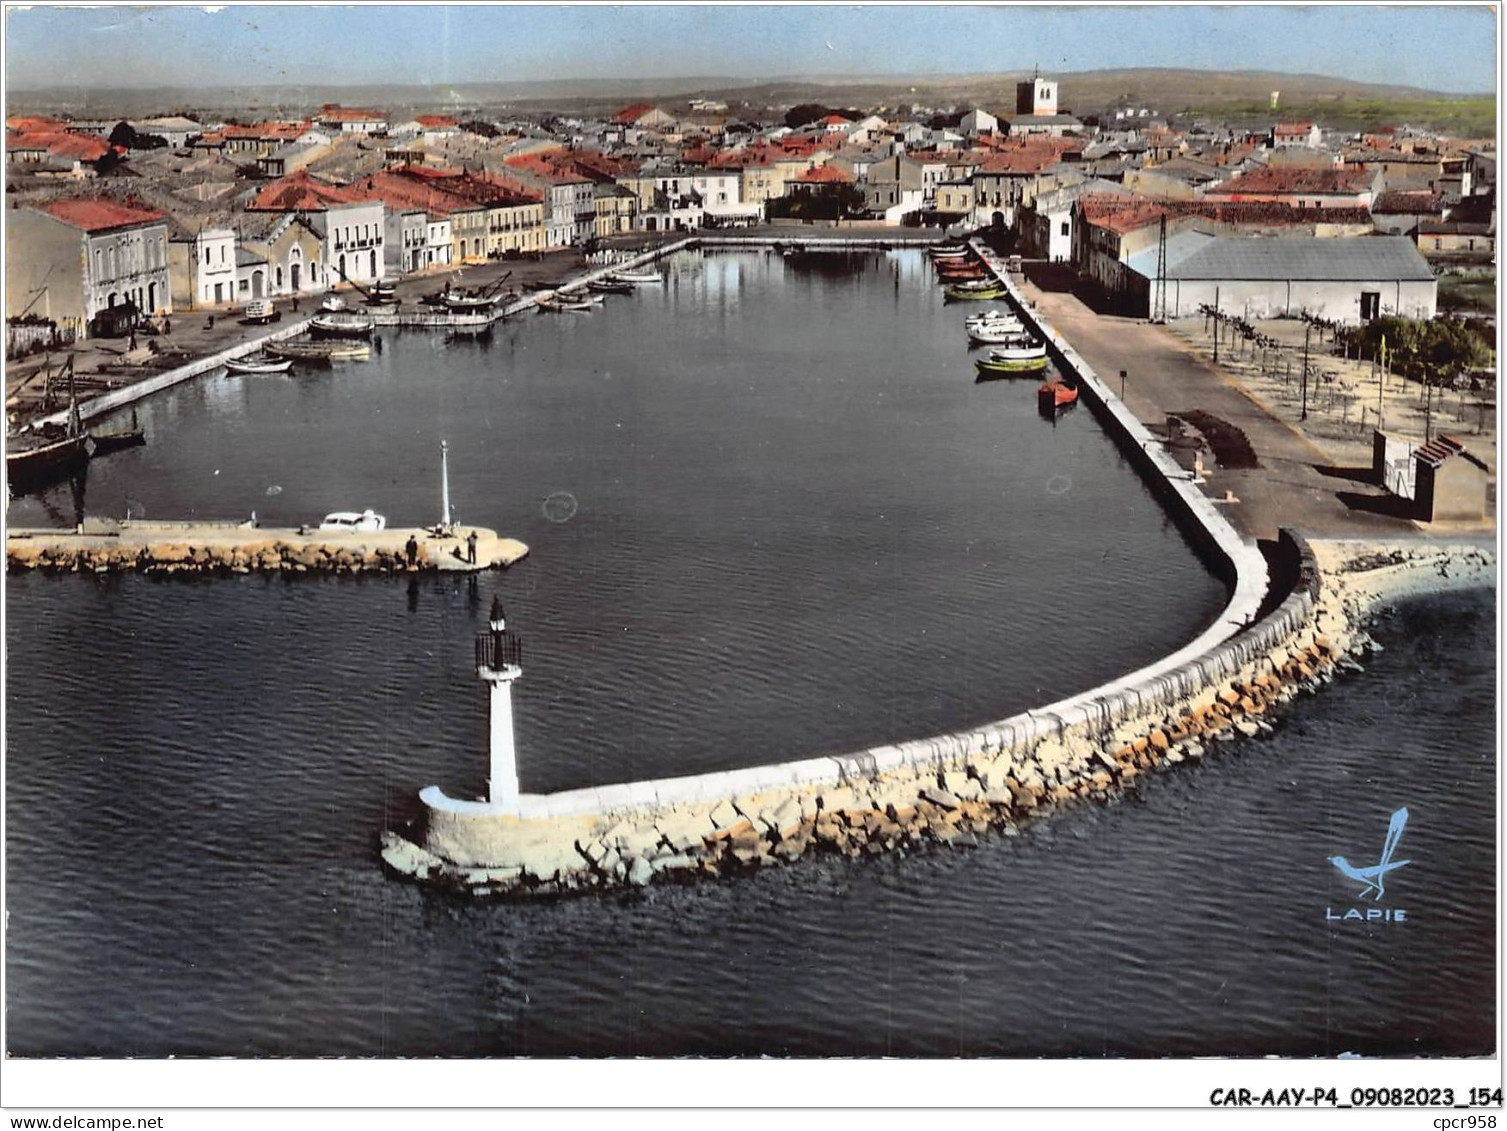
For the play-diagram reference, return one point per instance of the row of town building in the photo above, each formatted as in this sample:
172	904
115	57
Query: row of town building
235	212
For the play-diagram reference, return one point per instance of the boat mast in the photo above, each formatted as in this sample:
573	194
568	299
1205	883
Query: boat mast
75	422
445	484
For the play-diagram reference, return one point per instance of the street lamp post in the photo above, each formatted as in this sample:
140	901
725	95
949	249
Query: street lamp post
1307	333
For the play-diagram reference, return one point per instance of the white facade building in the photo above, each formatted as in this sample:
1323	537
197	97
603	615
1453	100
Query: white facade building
353	241
213	255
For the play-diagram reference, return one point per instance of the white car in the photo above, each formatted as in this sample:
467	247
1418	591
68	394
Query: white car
349	522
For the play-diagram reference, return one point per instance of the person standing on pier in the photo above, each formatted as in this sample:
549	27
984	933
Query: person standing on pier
471	548
411	548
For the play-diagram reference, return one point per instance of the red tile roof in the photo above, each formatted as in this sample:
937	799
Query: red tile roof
754	155
99	213
1293	179
436	121
330	112
36	125
299	192
74	147
630	114
1121	214
825	175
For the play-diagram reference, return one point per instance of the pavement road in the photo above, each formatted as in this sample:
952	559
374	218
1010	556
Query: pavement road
1164	376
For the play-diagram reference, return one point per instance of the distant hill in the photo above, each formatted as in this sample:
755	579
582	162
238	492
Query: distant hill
1229	95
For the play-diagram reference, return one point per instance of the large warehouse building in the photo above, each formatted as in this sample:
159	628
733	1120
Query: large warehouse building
1346	280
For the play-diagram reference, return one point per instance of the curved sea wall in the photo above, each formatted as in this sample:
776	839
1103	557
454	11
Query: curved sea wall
930	790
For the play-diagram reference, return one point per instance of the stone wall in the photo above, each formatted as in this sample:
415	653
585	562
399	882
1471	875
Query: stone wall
251	556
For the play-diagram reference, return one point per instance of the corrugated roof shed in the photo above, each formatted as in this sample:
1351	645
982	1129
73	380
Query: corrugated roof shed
1364	259
1181	246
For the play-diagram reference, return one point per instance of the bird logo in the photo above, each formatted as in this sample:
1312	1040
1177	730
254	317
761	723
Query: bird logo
1373	878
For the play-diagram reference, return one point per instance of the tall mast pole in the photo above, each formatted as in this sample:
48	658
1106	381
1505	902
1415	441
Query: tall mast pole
445	484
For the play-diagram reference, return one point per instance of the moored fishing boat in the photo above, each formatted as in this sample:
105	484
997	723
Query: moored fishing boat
324	352
967	292
116	438
995	331
343	324
637	278
579	293
948	250
1021	354
988	317
609	287
258	363
555	304
46	451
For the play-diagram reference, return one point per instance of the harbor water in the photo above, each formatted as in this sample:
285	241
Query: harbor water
772	516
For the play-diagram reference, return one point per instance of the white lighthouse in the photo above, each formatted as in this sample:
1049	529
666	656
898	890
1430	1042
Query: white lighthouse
499	661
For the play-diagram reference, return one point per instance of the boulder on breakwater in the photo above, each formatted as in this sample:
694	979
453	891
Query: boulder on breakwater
991	787
270	556
915	809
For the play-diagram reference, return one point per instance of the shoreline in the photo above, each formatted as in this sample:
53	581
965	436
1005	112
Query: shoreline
206	363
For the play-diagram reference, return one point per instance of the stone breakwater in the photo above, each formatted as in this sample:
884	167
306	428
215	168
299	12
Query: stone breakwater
207	548
1318	633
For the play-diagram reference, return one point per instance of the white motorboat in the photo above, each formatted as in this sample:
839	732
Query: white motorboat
638	278
990	318
332	302
995	333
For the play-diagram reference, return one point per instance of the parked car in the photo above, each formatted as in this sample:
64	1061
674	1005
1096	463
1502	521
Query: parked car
349	522
261	310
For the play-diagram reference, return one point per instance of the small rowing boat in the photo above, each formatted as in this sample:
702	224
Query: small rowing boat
1055	394
609	287
258	364
557	305
637	278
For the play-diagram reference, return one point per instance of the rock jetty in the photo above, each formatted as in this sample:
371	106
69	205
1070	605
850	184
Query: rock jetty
1320	635
221	548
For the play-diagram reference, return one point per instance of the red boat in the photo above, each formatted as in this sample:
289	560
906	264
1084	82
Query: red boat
1055	394
954	274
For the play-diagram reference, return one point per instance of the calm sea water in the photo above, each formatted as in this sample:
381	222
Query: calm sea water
799	527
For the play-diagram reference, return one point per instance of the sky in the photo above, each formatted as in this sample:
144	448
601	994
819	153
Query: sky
1438	47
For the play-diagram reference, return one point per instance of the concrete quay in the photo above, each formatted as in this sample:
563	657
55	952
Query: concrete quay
105	546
